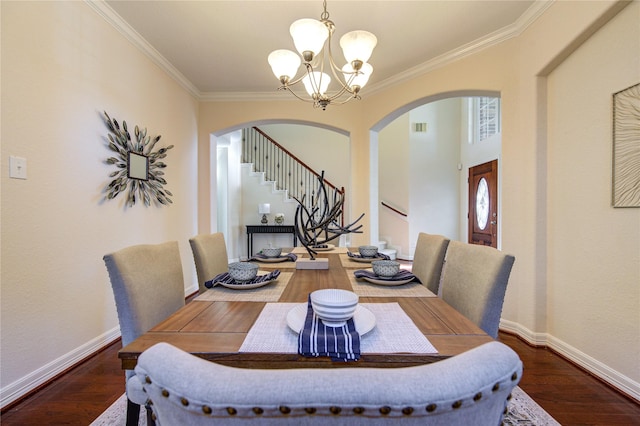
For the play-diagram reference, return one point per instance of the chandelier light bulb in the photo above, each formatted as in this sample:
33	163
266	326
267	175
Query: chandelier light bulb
360	79
358	45
284	64
316	83
308	36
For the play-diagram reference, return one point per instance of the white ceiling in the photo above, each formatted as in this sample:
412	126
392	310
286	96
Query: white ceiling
220	48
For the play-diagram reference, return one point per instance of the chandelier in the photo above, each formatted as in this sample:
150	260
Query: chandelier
312	39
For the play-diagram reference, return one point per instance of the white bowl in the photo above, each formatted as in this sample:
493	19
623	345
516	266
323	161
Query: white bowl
385	268
271	251
243	271
368	251
334	306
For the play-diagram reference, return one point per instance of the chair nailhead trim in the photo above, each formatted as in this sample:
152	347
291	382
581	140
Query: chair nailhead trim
258	410
385	410
284	409
206	409
184	401
310	410
165	393
335	410
456	404
232	411
431	408
407	411
153	416
509	397
147	379
358	410
496	387
506	410
514	376
477	396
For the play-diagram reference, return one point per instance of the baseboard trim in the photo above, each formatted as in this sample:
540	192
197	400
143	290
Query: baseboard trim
613	378
32	381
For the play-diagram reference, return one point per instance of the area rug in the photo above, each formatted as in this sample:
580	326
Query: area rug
523	411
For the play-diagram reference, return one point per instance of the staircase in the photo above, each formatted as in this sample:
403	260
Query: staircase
286	171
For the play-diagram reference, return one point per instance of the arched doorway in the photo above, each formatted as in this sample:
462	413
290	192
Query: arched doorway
421	155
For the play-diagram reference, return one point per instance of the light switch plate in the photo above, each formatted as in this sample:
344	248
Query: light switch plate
17	167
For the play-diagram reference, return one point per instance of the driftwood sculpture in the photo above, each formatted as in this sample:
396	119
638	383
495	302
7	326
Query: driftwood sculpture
316	223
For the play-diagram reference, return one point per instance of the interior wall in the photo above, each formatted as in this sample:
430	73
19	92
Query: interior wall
393	184
594	249
61	68
433	160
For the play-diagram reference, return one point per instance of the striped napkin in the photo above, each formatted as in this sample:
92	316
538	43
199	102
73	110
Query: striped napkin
259	256
379	256
226	278
400	276
339	343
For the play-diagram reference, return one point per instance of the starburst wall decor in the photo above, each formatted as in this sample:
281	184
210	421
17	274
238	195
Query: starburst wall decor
139	168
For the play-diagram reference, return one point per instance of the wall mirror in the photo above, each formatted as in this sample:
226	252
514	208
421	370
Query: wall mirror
138	166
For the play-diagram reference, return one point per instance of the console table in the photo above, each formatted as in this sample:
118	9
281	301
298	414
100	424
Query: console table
268	229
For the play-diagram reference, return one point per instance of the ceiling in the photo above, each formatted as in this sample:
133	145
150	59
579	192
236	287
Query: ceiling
220	48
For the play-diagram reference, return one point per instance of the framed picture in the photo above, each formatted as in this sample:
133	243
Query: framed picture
626	147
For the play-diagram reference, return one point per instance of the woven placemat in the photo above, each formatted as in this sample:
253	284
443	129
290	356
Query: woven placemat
268	293
366	289
276	265
394	332
347	262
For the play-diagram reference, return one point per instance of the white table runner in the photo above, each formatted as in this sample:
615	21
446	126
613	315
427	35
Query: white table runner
394	332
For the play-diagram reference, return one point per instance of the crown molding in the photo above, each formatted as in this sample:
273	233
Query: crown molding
109	15
531	15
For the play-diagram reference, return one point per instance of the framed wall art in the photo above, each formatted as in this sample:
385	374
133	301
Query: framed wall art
626	147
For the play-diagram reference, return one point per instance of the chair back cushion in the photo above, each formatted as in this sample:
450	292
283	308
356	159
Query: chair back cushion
148	286
210	256
428	259
474	282
471	388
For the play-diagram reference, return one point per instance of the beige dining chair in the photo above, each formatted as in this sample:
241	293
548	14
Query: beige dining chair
474	282
468	389
210	256
148	286
428	259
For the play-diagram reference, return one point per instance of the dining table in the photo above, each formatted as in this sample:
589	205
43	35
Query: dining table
252	327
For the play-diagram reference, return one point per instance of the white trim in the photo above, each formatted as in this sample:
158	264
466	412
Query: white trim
31	381
614	378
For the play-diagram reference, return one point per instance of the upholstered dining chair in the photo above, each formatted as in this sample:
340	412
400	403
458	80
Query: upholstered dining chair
210	256
148	286
470	388
474	282
428	259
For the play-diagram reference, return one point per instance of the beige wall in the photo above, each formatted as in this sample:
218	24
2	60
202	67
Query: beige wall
62	66
56	298
593	249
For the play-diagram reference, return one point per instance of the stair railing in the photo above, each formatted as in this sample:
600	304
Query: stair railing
281	166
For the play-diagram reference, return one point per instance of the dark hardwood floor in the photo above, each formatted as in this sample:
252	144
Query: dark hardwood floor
570	395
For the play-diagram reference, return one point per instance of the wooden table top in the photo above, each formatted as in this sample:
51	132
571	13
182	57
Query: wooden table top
215	330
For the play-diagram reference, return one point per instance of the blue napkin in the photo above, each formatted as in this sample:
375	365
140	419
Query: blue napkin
259	256
226	278
379	256
339	343
400	276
